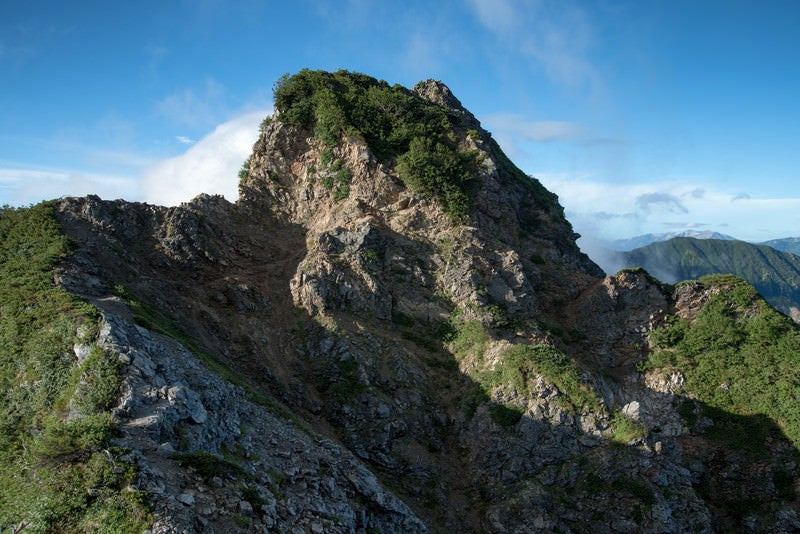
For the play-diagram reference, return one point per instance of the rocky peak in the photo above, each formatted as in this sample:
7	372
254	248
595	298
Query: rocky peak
437	92
453	189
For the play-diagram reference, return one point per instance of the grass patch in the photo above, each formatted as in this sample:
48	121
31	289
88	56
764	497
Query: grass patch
56	474
626	429
467	339
520	364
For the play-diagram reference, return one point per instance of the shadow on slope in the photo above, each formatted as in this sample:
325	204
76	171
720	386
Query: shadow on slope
467	433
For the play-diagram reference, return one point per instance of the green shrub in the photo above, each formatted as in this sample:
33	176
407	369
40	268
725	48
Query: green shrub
434	169
626	429
396	124
468	339
739	357
61	439
99	381
504	415
244	171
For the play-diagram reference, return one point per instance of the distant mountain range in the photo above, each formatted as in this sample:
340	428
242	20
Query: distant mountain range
774	273
631	243
785	244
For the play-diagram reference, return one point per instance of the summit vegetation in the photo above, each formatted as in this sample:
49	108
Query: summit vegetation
399	127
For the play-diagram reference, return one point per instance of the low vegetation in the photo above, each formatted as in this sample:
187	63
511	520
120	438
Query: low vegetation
397	125
740	357
244	171
57	472
520	364
517	369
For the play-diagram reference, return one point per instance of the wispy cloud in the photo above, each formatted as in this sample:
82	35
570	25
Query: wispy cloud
184	140
421	54
508	124
208	166
195	107
648	201
513	131
554	35
154	54
16	54
498	16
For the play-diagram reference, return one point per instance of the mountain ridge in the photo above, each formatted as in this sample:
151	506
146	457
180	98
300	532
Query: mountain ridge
639	241
412	341
785	244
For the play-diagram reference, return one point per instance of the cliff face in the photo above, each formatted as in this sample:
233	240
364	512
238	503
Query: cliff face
397	364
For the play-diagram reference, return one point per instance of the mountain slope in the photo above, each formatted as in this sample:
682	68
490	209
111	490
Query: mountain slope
775	274
393	330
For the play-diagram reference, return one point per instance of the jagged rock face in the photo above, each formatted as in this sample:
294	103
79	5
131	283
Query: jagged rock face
294	481
616	317
335	302
514	247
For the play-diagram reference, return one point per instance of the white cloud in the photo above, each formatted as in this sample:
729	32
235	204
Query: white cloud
19	187
513	133
155	54
498	15
422	54
616	210
646	201
184	140
511	125
209	166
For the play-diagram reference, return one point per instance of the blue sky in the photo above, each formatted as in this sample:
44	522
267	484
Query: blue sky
643	117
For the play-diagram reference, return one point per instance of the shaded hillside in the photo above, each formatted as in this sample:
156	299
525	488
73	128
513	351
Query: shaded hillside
391	330
786	244
775	274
